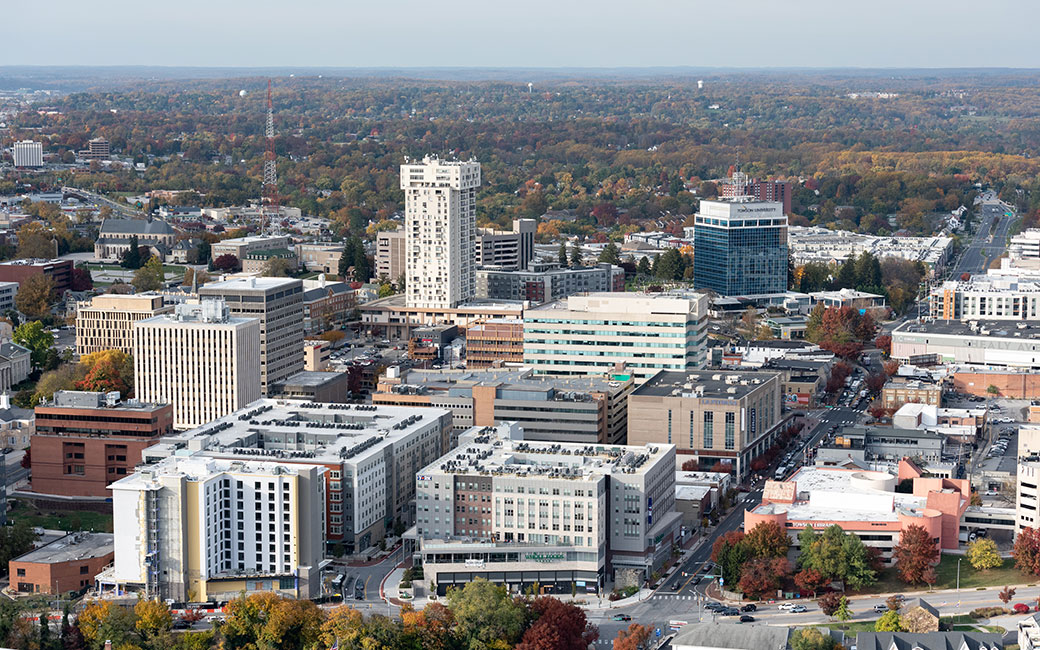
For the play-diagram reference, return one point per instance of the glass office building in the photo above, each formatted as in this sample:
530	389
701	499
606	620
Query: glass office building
740	247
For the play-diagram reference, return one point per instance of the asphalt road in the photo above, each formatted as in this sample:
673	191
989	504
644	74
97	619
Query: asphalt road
985	248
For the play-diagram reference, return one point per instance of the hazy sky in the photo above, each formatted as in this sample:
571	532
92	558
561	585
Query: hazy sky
527	33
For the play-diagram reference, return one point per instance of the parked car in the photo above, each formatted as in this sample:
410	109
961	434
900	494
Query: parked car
621	617
747	619
750	607
1021	608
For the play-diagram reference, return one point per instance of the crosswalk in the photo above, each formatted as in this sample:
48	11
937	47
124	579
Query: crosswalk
672	597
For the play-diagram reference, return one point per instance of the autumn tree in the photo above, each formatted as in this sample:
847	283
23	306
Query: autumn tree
810	580
194	275
153	622
730	553
810	638
432	626
227	263
1026	551
763	575
35	296
149	277
983	554
890	621
829	602
106	371
485	615
557	626
81	280
915	552
267	620
635	637
1006	594
104	621
768	539
884	343
276	267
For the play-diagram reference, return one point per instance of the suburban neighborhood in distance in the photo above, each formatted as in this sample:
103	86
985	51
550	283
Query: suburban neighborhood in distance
562	338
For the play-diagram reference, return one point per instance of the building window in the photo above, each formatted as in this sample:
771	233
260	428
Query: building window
730	425
709	429
692	445
669	426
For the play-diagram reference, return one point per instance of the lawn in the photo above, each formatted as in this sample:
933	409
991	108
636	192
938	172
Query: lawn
24	510
1007	574
851	626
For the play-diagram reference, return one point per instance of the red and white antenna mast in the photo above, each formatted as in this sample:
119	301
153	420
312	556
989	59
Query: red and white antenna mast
269	198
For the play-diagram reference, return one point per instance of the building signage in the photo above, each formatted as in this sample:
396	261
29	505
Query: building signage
752	420
543	557
474	564
422	477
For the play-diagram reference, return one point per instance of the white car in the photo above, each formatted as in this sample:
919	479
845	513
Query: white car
784	607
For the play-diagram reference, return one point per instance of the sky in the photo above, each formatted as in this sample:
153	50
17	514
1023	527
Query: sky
524	34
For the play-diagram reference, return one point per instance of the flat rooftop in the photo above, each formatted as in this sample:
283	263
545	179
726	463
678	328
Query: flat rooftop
248	284
398	302
301	431
200	468
70	548
704	384
446	380
983	328
310	378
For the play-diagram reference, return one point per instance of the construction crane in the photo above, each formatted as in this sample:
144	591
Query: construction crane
269	196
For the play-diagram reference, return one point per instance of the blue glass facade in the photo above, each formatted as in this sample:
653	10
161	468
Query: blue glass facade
740	260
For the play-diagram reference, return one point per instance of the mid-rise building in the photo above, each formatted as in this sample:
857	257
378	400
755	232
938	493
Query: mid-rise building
371	453
1025	245
240	247
390	254
97	149
714	418
27	153
317	354
67	564
322	257
989	298
15	364
8	290
495	342
741	247
564	516
203	529
277	303
901	390
983	343
59	272
257	262
507	250
200	359
591	410
326	305
545	281
84	441
595	334
440	227
106	322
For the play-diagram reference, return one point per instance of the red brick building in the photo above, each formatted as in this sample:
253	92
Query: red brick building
59	271
66	564
84	441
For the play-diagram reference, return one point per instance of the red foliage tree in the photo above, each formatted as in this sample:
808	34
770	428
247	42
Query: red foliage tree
633	638
690	466
721	468
830	602
1027	551
891	367
81	280
875	560
226	262
104	377
915	552
768	539
884	343
763	575
731	538
876	381
606	214
810	580
558	626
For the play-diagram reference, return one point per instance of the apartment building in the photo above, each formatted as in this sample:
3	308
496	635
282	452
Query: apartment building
989	298
106	322
200	359
277	303
440	229
590	410
566	517
713	418
240	247
27	153
390	254
545	281
507	250
320	256
495	342
595	333
371	454
197	528
84	441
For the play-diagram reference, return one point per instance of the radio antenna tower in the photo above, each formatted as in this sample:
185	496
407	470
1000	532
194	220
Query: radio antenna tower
269	197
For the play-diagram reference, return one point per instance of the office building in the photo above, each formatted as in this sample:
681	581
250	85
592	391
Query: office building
278	305
200	359
68	564
393	318
594	334
85	440
204	529
316	355
902	390
97	149
989	298
567	517
845	297
59	272
741	247
8	290
495	342
106	322
27	153
313	386
371	453
545	281
1025	245
507	250
715	418
590	410
440	226
390	254
319	256
240	247
982	343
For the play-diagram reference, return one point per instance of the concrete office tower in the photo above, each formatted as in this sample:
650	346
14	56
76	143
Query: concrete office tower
106	322
390	254
28	154
200	359
211	529
592	334
740	247
440	223
278	304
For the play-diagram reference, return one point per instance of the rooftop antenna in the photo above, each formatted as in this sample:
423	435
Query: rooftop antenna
269	197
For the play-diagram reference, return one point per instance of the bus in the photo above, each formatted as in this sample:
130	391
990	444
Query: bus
675	626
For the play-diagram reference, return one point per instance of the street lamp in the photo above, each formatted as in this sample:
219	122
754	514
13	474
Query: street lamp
959	573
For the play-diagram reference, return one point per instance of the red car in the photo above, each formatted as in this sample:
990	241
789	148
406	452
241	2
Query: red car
1021	608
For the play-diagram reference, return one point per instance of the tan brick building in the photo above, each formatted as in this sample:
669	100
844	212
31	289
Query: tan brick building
107	322
902	391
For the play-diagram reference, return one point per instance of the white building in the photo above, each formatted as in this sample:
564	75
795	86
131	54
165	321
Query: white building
818	244
592	334
564	515
8	290
440	231
1025	245
986	297
200	359
207	529
28	154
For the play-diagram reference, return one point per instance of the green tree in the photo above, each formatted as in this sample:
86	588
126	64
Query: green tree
577	260
643	266
843	612
34	337
890	621
131	258
276	267
150	276
983	554
610	254
561	255
846	278
810	638
35	296
992	389
486	616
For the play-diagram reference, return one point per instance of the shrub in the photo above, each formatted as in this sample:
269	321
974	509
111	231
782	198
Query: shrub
988	612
